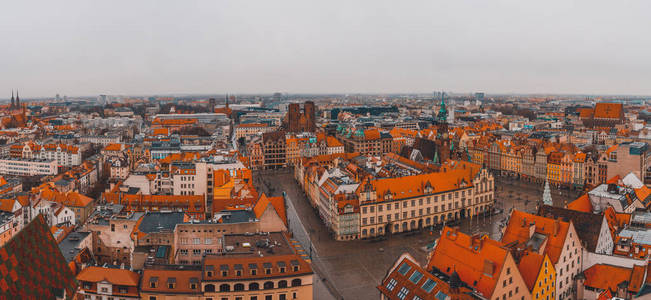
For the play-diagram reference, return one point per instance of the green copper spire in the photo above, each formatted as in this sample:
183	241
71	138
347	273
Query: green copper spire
443	112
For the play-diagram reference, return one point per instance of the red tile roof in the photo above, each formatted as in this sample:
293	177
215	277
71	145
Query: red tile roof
114	276
608	110
518	231
455	252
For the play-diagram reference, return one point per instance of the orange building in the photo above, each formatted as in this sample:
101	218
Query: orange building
481	263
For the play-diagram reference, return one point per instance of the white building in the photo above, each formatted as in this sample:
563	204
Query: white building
27	167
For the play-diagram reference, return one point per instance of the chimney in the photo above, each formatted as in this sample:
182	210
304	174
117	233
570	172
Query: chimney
557	226
476	242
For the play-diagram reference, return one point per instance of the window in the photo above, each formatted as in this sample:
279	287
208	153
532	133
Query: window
391	284
268	285
238	287
282	284
416	277
404	269
429	285
296	282
104	290
403	293
254	286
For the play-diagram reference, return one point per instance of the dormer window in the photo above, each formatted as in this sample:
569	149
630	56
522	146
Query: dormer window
267	268
238	269
171	283
153	282
253	269
295	265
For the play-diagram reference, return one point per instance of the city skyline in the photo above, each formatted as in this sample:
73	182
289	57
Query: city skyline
584	47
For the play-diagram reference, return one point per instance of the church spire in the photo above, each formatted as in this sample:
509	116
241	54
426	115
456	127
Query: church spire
12	98
443	112
17	99
547	195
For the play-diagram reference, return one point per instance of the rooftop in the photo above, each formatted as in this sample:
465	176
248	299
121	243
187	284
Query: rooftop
70	245
257	244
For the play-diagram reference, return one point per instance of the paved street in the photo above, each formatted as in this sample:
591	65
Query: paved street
353	269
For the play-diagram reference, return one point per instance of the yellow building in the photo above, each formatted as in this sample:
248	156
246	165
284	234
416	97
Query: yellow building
539	275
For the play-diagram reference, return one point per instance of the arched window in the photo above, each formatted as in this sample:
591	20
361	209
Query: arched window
296	282
282	284
224	288
209	288
372	231
364	232
254	286
238	287
396	227
268	285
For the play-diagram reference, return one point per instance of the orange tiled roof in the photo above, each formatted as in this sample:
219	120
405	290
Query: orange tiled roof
412	186
608	110
585	113
582	204
372	134
333	142
278	203
113	147
7	205
181	278
455	252
606	277
518	231
529	267
114	276
160	131
251	125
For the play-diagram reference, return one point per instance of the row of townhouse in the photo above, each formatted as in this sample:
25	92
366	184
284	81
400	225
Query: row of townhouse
562	164
353	204
278	149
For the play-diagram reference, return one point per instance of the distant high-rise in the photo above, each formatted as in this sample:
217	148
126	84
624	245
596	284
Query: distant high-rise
277	97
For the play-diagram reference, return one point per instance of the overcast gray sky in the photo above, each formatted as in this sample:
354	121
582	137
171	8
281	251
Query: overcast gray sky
142	47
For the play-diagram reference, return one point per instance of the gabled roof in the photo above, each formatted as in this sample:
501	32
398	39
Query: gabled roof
554	230
581	204
454	252
529	267
278	204
114	276
608	110
586	224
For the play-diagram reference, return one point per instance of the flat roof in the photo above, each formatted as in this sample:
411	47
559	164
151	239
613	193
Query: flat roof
250	244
